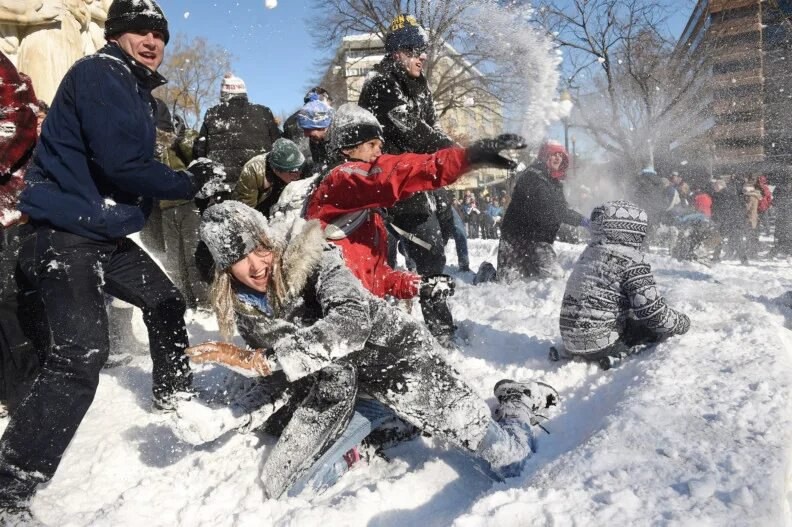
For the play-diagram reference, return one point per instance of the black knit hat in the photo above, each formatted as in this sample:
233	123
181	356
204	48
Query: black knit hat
134	15
352	126
405	33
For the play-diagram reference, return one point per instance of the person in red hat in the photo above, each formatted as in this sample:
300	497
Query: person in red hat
538	208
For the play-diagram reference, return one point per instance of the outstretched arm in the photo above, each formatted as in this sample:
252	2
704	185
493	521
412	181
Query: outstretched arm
389	179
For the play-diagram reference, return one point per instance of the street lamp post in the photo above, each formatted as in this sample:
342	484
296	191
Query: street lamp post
566	97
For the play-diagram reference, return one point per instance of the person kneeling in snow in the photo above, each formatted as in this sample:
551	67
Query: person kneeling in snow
315	330
611	303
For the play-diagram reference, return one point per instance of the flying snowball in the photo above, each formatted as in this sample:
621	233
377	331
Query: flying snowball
270	4
186	14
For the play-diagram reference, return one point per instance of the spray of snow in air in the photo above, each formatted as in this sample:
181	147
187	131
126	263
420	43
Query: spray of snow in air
521	47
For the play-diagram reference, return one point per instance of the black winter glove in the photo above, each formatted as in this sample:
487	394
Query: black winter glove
436	287
487	151
208	177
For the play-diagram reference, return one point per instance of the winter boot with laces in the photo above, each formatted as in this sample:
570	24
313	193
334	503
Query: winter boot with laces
18	517
524	400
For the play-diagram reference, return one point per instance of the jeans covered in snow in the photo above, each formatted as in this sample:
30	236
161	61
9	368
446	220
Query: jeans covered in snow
452	226
71	275
437	314
526	259
369	414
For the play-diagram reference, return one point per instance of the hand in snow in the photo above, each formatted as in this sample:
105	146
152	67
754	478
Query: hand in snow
487	151
231	356
209	178
437	287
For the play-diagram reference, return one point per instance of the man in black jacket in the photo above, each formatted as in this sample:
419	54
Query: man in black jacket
399	97
538	208
235	130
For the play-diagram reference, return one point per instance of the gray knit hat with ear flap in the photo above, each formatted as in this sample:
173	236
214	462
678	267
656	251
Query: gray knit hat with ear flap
232	230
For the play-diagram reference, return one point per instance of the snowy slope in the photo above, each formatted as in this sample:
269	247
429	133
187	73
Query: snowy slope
695	433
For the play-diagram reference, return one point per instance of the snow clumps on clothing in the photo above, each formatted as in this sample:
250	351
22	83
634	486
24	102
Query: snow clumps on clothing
353	126
232	230
133	15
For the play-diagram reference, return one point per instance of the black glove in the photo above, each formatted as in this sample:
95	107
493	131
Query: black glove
487	151
208	177
436	287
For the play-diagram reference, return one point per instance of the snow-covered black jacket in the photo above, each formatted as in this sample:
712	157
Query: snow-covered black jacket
233	132
612	280
405	108
94	172
537	209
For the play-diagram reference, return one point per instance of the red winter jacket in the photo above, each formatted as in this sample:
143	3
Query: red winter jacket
357	186
702	202
767	196
17	136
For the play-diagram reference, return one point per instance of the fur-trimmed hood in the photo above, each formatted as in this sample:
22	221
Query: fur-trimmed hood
303	243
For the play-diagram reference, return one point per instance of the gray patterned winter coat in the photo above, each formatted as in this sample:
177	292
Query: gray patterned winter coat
611	281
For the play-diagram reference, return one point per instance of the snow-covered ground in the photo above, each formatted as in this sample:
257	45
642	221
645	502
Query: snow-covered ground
696	432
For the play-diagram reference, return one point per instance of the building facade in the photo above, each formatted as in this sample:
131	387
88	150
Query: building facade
745	122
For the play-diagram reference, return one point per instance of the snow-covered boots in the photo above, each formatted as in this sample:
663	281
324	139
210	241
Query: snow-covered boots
509	440
523	400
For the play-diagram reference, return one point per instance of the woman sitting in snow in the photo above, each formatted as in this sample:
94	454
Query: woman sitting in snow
611	303
322	342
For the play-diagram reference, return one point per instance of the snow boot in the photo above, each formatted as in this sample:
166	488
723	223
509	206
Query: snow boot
523	400
18	517
486	273
165	403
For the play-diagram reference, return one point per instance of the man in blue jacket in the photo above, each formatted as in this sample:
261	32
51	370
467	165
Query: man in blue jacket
91	183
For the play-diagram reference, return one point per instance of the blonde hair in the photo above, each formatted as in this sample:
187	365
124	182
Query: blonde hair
224	298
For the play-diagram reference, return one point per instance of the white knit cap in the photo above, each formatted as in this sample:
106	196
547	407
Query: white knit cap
233	85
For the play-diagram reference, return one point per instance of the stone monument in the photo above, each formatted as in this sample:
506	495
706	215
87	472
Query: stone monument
43	38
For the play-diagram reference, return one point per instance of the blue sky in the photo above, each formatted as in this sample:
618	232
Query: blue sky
272	48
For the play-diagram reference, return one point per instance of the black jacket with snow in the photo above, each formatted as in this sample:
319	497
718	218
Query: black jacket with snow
537	209
405	108
233	132
611	281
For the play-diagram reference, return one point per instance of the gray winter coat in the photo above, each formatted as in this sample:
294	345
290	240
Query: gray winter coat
611	281
347	340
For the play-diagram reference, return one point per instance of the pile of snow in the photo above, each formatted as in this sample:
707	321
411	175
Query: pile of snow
696	432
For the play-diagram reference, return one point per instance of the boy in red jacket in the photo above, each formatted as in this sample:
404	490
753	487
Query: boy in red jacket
348	202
